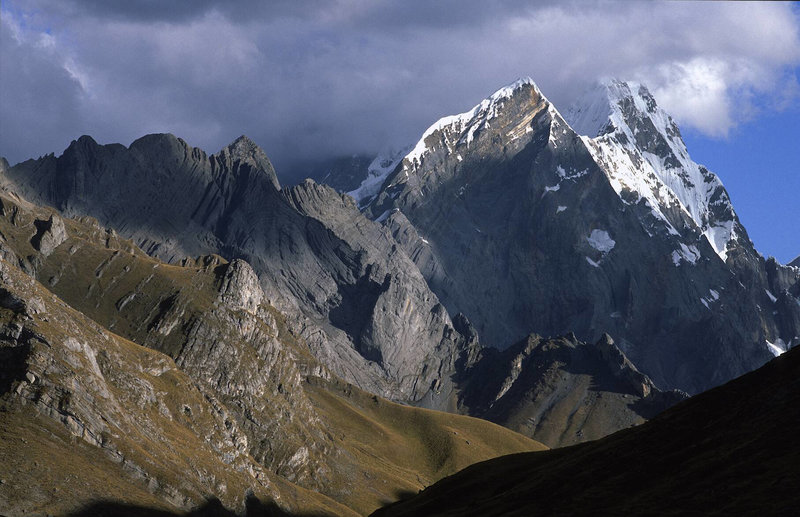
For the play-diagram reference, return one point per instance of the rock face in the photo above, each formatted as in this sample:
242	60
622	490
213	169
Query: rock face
561	390
123	420
361	305
49	235
525	225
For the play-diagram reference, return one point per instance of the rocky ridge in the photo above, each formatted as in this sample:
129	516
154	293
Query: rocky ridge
328	284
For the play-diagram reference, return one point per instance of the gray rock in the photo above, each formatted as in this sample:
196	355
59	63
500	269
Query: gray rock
560	390
526	226
49	235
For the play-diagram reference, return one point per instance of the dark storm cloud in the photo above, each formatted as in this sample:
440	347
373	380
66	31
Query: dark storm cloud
307	79
438	14
177	11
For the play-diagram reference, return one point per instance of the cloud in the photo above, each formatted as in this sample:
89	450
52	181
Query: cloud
40	98
312	78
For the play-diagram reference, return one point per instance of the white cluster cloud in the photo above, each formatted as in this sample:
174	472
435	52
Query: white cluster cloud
308	78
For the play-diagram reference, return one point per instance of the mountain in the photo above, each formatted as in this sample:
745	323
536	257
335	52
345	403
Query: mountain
560	390
482	271
345	287
729	451
361	305
523	224
129	380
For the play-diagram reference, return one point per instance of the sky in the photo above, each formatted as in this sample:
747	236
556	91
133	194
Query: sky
309	79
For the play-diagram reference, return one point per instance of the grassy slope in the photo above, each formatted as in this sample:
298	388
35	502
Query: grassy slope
141	398
400	449
730	451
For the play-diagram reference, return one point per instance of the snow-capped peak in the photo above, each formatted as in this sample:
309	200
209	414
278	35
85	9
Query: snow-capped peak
642	151
466	124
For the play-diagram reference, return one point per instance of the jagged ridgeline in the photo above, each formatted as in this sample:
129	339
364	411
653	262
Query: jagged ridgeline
128	380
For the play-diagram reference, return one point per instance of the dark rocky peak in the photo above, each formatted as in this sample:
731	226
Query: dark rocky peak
561	390
159	144
782	296
245	151
317	200
622	368
84	142
795	262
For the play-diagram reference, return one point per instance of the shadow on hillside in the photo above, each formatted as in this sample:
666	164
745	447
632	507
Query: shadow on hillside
400	495
213	508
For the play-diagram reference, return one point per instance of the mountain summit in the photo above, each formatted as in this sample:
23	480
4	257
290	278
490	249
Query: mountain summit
526	225
646	158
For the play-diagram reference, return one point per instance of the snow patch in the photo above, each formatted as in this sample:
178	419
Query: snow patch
778	347
571	174
560	209
601	241
688	253
712	297
554	188
592	262
720	237
771	296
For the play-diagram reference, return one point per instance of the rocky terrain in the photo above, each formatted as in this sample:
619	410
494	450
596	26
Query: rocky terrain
344	283
186	385
561	391
355	301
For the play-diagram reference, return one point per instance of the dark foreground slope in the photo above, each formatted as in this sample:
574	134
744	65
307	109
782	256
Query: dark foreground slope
730	451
